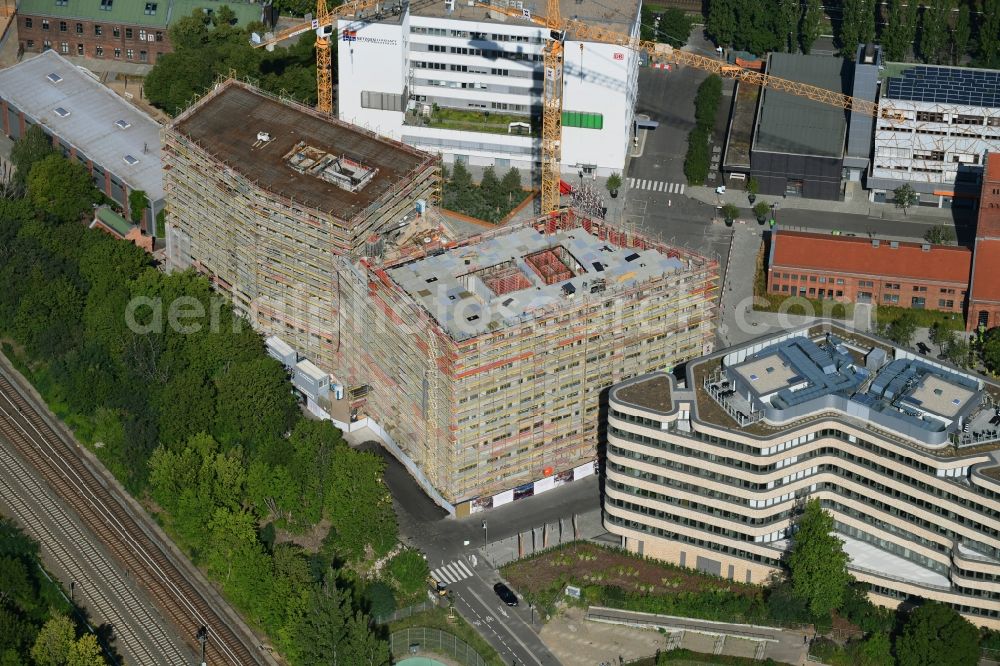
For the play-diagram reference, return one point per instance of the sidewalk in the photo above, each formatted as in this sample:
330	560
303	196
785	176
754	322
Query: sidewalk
857	206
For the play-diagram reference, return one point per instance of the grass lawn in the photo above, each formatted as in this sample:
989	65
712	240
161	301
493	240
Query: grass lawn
612	577
437	618
470	120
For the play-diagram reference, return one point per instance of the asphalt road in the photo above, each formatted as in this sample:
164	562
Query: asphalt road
456	546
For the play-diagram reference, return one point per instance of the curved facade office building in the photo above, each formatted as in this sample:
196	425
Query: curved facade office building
903	451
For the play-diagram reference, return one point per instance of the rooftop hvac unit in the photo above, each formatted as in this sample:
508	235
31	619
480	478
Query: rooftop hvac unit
894	244
876	242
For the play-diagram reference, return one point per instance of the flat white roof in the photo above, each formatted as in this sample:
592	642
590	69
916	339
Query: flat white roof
84	113
309	369
279	345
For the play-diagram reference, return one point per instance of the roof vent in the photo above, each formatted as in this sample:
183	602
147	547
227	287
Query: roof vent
876	242
54	78
130	160
894	244
61	112
122	124
926	247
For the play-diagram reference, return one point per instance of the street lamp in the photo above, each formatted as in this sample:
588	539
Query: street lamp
202	638
486	534
72	591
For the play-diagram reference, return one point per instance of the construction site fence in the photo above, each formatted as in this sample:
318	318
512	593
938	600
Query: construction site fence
418	640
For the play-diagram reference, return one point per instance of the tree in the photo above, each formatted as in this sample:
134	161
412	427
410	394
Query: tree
671	26
327	632
787	23
138	202
761	210
934	30
85	652
28	150
511	185
988	34
697	160
381	599
254	402
61	189
936	635
991	350
706	102
876	650
54	641
961	34
940	235
941	335
811	24
902	329
613	183
358	504
957	351
817	561
894	31
857	25
721	22
730	212
409	570
905	196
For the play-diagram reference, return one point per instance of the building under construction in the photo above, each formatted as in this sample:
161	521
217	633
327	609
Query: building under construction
485	361
480	362
264	196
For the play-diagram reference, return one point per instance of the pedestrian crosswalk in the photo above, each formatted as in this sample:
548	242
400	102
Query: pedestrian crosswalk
656	185
452	572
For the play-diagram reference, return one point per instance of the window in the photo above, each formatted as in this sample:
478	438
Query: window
920	289
812	278
917	302
840	280
128	33
79	49
122	124
945	290
129	54
812	291
142	35
61	112
118	53
106	5
116	32
159	35
45	24
840	293
583	119
46	45
31	43
930	117
890	298
822	279
64	48
129	160
500	72
98	51
143	56
79	28
98	30
943	303
962	119
150	8
436	48
62	26
28	22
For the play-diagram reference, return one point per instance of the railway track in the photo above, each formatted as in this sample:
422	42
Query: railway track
138	553
141	635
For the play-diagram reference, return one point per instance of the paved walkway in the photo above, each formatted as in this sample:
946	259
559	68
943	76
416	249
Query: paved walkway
745	640
858	205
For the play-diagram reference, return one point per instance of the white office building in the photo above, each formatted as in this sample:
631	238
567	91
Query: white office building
456	78
935	127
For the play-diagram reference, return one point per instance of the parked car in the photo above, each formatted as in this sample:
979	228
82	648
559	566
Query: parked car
438	586
506	594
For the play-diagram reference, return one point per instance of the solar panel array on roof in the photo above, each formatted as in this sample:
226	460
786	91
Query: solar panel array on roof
947	85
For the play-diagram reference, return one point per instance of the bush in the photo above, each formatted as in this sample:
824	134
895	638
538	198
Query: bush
698	159
380	599
706	102
409	570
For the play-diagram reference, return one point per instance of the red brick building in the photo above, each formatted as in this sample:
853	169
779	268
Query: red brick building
984	287
881	272
125	30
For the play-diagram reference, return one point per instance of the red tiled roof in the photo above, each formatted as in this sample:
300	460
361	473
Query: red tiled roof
840	254
986	278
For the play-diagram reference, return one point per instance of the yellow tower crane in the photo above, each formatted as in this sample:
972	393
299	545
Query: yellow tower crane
553	74
582	31
323	24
